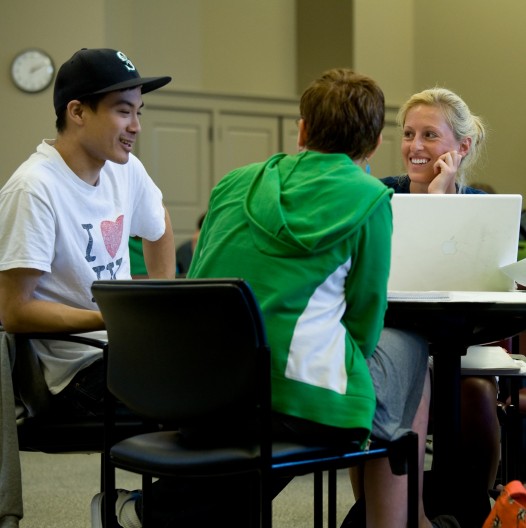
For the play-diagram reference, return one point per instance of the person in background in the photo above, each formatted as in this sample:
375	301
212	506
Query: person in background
311	233
441	143
183	254
185	251
137	265
66	216
485	187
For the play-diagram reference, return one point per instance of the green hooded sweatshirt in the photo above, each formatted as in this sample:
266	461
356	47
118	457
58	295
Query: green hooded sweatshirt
311	234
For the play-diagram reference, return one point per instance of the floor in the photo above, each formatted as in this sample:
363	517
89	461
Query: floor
58	489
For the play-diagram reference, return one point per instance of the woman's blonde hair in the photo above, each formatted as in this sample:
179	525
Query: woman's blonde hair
459	118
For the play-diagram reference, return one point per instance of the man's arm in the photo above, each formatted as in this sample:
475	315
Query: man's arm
21	312
159	256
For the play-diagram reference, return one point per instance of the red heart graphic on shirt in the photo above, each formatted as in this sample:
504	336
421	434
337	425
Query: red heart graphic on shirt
112	234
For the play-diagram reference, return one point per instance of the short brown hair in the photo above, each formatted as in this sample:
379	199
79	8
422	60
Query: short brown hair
343	112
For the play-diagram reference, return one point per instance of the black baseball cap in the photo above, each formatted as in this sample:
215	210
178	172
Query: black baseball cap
99	71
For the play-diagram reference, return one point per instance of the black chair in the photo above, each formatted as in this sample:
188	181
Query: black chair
42	428
28	422
183	350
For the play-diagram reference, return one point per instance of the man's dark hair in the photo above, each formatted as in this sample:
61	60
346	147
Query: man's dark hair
92	101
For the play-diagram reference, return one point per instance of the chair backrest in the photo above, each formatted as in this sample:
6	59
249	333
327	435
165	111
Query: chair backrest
183	349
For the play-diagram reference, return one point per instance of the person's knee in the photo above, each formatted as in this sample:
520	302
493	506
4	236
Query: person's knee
477	391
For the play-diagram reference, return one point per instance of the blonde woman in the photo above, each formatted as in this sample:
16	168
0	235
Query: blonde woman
442	141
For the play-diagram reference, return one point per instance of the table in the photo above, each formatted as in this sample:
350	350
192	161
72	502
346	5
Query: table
512	457
451	325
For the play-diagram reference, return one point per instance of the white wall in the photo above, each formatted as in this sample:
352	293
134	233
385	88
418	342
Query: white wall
248	47
384	44
476	48
60	27
229	46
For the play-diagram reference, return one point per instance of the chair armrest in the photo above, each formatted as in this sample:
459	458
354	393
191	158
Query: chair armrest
60	336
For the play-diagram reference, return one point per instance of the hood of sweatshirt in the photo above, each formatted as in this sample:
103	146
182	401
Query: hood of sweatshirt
309	202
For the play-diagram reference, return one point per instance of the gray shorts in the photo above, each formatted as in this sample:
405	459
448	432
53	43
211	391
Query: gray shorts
398	369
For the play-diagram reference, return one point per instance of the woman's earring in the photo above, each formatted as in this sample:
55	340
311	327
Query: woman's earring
367	166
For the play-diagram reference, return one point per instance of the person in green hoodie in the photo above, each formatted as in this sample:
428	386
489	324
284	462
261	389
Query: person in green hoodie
311	234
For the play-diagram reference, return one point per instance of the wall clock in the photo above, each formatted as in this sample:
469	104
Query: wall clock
32	70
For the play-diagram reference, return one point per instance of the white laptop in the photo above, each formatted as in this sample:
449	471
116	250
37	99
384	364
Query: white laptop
454	242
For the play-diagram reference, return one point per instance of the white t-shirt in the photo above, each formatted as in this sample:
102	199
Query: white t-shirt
75	233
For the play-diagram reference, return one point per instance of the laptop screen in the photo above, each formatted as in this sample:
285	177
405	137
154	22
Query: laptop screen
454	242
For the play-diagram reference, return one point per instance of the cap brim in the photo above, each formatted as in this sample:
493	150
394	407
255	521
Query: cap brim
148	84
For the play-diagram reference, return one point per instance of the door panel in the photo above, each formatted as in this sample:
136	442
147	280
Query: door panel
175	148
387	160
244	139
289	133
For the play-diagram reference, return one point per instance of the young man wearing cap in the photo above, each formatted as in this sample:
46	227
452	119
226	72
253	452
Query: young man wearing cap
67	213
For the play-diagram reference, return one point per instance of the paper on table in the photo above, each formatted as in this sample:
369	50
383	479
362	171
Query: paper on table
488	359
516	296
418	296
516	270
